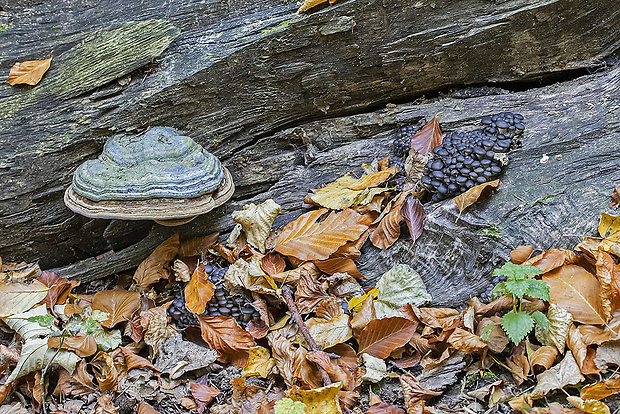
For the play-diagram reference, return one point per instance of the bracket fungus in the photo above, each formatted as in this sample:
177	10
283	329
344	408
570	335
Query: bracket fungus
159	175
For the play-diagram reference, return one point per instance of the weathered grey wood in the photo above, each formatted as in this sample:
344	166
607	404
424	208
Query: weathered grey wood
246	79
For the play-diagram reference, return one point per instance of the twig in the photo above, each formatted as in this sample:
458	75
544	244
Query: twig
288	297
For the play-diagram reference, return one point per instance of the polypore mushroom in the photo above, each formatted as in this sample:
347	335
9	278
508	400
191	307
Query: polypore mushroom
160	175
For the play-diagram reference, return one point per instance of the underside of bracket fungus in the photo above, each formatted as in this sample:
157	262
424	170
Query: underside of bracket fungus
160	175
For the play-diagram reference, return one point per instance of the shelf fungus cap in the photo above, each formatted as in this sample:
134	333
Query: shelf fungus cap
160	175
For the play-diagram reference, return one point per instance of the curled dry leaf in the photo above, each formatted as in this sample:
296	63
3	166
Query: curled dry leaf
105	406
600	334
227	338
350	192
20	297
543	358
136	361
105	371
521	254
198	291
608	274
381	336
155	323
467	342
415	394
256	221
119	304
583	354
249	275
329	308
28	72
78	384
414	215
309	294
560	322
292	276
498	340
144	408
615	197
552	259
283	352
428	137
181	271
384	408
59	288
578	291
476	194
386	229
153	267
317	234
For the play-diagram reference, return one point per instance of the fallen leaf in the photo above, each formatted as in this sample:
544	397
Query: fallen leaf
308	294
607	354
609	229
27	329
428	137
227	338
317	234
198	291
59	288
28	72
384	408
487	391
119	304
375	368
181	271
476	194
348	192
105	406
203	394
414	215
155	323
519	367
386	229
283	352
578	291
144	408
582	353
83	345
360	319
35	355
78	384
600	390
381	336
608	275
292	276
20	297
256	221
259	363
415	394
466	342
288	406
589	406
197	246
521	254
249	275
615	197
543	358
565	373
338	265
331	332
329	308
600	334
560	322
136	361
153	267
319	401
106	374
397	287
498	340
272	263
552	259
522	403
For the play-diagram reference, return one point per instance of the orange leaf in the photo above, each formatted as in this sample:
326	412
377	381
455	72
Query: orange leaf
615	197
476	194
59	288
29	72
543	358
227	338
144	408
118	303
427	138
153	267
136	361
601	389
414	215
83	345
317	234
552	259
105	371
198	291
584	355
521	254
360	319
338	265
466	341
272	263
203	394
381	336
386	229
576	290
373	179
608	273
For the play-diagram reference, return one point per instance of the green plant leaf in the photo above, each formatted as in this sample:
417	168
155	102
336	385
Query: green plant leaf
499	290
486	332
541	320
517	325
288	406
516	272
537	289
44	321
517	287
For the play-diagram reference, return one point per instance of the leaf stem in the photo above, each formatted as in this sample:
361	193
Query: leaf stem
288	297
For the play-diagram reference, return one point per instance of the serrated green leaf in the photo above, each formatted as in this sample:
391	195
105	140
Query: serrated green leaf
541	320
537	289
288	406
517	325
516	272
517	287
486	332
499	290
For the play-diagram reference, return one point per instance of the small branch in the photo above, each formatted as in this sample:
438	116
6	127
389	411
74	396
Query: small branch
288	297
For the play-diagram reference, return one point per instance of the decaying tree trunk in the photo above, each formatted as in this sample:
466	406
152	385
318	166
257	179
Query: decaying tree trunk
289	102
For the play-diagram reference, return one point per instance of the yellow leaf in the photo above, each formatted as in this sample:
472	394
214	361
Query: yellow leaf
320	400
601	389
609	229
198	291
259	363
476	194
308	4
19	297
29	72
589	406
355	304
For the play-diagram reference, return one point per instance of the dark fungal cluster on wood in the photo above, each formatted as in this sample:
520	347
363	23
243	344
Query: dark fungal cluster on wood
466	159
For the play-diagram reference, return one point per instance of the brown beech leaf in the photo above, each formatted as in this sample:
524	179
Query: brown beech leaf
519	367
467	342
28	72
227	338
153	267
476	194
198	245
59	288
498	340
118	303
272	263
144	408
329	308
83	345
600	334
381	336
428	137
5	389
319	233
78	384
292	276
283	352
521	254
198	291
309	294
543	358
552	259
105	406
330	332
338	265
578	291
584	355
601	389
136	361
414	215
608	274
386	229
615	197
414	392
565	373
384	408
105	371
203	394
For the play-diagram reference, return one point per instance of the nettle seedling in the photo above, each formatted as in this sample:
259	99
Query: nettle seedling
517	323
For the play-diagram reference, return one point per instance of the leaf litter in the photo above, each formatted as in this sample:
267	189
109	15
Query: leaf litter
276	321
